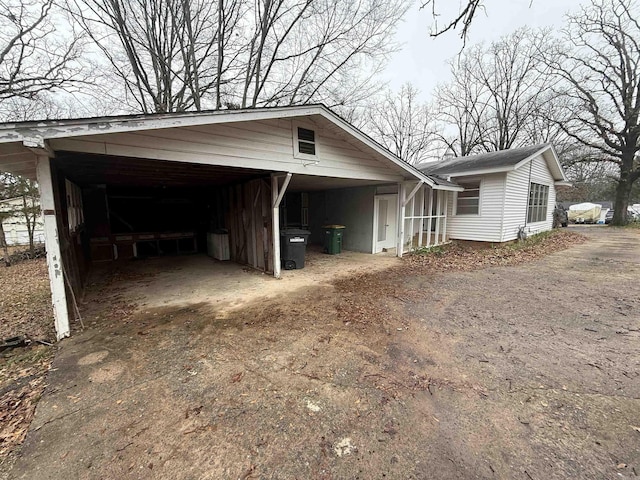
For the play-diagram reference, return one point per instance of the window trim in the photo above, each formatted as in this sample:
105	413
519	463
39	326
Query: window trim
469	182
538	202
296	145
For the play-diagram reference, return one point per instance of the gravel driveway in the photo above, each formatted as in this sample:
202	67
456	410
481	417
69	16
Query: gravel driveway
519	372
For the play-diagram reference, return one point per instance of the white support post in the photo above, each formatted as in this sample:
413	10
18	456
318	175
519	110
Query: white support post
404	200
444	220
430	221
438	210
276	197
402	194
52	244
412	194
412	222
422	200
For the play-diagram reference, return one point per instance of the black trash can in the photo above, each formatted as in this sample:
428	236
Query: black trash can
293	246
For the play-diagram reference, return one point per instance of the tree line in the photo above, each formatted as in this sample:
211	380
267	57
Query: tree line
578	88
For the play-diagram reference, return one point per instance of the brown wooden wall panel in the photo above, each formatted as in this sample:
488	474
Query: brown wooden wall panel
249	223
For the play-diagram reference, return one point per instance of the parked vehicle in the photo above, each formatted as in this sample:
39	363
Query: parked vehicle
585	213
608	217
560	216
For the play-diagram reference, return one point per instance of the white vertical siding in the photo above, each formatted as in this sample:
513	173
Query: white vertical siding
15	226
516	198
487	225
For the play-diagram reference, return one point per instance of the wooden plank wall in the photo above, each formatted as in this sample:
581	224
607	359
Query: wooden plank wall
248	220
71	247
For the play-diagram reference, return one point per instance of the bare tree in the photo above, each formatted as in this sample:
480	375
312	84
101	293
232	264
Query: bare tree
460	108
322	51
35	56
17	187
5	213
497	96
167	53
462	19
175	55
3	240
597	65
402	124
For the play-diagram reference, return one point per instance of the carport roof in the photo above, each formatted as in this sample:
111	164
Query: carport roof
19	140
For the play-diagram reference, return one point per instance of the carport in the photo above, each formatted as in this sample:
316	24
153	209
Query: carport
117	188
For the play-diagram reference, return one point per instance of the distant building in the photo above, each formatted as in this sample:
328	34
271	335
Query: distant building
15	227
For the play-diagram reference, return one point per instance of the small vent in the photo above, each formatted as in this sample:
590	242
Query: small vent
306	141
306	135
307	148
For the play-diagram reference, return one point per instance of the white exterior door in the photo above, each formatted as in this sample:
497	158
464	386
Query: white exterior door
385	224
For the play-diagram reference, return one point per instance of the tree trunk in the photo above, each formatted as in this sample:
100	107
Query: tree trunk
30	224
5	248
625	182
623	191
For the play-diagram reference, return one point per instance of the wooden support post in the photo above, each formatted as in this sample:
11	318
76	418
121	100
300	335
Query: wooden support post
276	197
54	256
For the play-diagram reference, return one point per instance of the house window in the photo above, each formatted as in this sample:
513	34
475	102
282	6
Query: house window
469	199
538	200
306	141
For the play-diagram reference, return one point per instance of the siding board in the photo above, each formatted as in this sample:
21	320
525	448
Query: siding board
257	145
516	198
486	226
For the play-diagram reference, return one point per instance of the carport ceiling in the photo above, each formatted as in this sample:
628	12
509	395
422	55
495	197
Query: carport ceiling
91	169
85	169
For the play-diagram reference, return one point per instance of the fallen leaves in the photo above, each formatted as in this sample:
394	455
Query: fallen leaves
472	256
357	308
22	381
25	301
25	309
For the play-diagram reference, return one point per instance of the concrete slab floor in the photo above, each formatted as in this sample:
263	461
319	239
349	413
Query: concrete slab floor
199	279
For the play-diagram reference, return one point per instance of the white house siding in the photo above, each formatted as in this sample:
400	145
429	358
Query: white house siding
328	208
516	198
15	227
258	144
487	225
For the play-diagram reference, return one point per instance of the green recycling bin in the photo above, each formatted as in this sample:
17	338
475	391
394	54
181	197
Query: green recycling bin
333	239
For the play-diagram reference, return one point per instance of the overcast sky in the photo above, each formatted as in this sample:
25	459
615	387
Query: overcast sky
422	60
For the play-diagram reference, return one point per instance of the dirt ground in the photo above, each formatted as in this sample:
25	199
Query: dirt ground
25	310
525	371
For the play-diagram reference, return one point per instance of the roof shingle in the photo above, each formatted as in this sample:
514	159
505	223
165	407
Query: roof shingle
484	161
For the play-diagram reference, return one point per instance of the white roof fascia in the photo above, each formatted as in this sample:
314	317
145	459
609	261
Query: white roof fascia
558	164
95	126
344	125
448	188
542	151
486	171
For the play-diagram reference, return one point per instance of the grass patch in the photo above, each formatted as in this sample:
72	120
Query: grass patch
535	239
